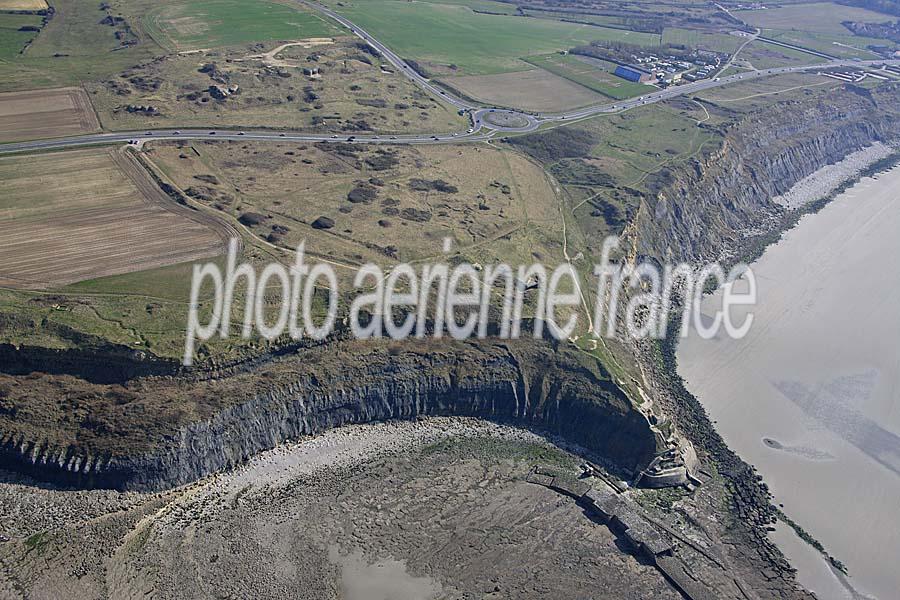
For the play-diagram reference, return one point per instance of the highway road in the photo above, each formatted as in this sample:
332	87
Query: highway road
484	118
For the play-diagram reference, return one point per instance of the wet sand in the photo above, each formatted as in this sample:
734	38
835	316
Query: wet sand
811	396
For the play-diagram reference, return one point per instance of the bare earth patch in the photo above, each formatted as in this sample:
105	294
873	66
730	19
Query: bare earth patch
45	113
530	90
23	4
71	216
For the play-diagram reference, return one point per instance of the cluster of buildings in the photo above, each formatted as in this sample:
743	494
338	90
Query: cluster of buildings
849	75
669	70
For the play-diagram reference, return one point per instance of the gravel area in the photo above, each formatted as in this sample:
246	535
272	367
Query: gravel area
827	179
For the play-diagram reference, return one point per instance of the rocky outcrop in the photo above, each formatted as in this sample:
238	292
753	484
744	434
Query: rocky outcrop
191	428
713	203
118	363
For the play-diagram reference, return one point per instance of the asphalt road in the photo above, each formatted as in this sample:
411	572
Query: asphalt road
481	128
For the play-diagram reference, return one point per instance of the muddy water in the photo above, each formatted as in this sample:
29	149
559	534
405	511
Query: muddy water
383	580
811	396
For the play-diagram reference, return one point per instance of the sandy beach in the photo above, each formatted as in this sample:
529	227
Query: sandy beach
811	396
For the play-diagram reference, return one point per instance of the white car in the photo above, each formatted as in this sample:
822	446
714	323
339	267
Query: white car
470	130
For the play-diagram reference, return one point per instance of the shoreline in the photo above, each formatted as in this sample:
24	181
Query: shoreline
748	490
723	402
829	178
29	507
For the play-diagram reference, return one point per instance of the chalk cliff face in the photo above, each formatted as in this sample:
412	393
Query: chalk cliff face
114	419
721	196
188	428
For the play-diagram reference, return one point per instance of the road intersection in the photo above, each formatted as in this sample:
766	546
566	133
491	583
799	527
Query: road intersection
484	119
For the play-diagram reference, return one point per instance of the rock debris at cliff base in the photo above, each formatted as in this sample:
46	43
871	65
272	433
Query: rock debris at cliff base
445	498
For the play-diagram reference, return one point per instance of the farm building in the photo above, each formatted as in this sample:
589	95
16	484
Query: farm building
633	74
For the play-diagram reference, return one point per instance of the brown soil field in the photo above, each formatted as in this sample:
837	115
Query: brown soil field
529	90
71	216
23	4
45	113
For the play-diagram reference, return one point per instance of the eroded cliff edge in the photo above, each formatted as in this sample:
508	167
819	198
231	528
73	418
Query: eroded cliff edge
720	201
721	208
92	421
157	432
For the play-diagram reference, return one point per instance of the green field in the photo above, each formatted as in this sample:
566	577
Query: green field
596	75
478	44
488	6
216	23
74	46
715	42
818	26
169	283
819	17
842	46
763	55
11	39
602	20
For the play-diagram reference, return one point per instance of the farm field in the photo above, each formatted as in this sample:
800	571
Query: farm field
45	113
763	55
602	20
821	29
90	213
476	44
488	6
23	4
818	17
537	89
592	73
715	42
215	23
840	46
